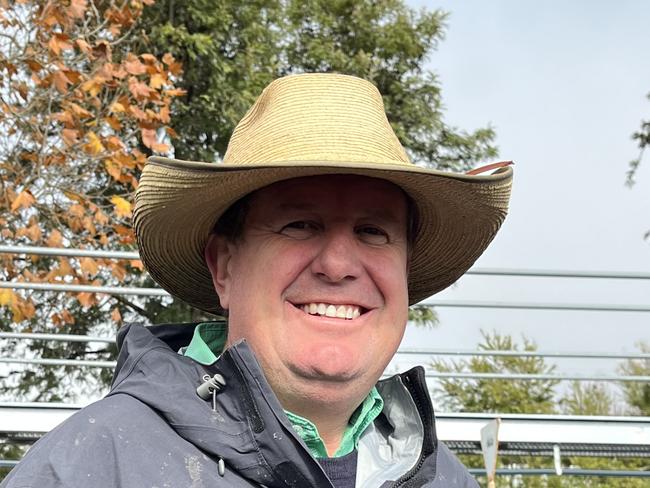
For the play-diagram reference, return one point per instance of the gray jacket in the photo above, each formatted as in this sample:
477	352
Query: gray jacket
154	431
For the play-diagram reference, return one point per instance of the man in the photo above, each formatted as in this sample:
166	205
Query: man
314	236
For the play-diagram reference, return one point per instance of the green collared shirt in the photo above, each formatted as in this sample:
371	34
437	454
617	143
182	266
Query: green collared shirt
209	340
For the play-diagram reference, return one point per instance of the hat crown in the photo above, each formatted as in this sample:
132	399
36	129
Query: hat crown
316	117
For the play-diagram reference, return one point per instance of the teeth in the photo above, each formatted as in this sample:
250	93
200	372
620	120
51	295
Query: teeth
348	312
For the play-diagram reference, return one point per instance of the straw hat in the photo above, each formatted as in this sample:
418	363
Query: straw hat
306	125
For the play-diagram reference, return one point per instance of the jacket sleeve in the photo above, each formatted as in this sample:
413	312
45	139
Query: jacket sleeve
450	471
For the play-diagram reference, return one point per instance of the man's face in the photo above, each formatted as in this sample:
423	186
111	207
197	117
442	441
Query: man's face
318	283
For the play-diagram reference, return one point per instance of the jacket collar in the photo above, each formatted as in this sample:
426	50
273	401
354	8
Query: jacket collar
248	429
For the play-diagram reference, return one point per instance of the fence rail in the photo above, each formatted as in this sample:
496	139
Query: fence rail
67	252
60	362
605	436
55	337
69	287
429	374
401	351
534	273
117	290
601	473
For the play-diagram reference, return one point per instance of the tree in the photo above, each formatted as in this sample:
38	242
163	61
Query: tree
587	399
637	395
515	396
499	396
597	399
79	113
642	137
89	89
231	50
386	42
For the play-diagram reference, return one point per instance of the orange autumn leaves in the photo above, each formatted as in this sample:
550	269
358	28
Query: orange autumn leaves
82	106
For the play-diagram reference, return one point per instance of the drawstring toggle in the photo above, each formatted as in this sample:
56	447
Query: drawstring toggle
210	387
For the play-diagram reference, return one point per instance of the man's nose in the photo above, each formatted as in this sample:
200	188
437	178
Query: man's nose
338	257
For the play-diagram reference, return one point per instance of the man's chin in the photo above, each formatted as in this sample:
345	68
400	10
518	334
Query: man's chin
323	373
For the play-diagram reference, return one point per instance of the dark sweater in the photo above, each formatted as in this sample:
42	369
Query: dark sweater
342	471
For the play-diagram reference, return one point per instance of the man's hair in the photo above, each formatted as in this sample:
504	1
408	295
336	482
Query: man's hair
231	224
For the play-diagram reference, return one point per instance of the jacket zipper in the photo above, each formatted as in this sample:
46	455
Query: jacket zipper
404	479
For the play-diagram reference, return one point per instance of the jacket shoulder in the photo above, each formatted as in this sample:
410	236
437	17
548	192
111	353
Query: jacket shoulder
117	442
450	471
69	454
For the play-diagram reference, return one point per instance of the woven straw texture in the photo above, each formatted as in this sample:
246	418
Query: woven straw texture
307	125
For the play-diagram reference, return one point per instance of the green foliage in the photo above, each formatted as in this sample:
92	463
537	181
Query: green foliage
553	481
642	137
231	50
387	43
587	399
500	396
637	394
423	315
58	383
10	452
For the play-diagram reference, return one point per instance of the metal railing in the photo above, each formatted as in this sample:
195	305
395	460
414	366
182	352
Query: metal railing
67	252
69	287
55	337
604	473
57	251
404	351
429	374
450	426
119	290
116	290
428	352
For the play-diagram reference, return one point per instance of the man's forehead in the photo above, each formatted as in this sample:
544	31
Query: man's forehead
372	196
389	214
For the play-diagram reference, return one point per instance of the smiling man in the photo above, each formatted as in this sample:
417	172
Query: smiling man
317	284
313	236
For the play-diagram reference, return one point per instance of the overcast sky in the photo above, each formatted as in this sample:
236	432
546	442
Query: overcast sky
564	84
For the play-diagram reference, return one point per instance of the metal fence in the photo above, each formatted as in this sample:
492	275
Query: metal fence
593	436
116	290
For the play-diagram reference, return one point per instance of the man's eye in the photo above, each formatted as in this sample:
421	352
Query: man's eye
372	235
299	229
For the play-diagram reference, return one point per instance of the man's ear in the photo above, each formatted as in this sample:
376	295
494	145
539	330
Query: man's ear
218	254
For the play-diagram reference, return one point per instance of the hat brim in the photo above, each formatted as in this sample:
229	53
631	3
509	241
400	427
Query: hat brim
179	202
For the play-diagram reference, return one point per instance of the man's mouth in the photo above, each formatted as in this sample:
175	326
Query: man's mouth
348	312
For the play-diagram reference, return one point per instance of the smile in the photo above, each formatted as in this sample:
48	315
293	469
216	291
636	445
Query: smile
348	312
